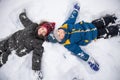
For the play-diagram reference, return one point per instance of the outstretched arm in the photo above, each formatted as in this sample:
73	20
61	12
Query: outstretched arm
77	51
72	18
37	54
36	58
51	38
25	20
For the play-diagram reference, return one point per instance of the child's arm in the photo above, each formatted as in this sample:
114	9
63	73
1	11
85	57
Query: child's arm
77	51
68	24
72	18
51	38
25	20
36	58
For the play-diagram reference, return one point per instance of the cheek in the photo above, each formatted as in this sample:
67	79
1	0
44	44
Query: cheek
45	31
39	31
61	36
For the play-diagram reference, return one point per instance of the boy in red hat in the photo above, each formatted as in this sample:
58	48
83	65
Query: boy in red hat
24	41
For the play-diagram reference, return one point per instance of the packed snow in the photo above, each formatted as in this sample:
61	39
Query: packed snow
57	62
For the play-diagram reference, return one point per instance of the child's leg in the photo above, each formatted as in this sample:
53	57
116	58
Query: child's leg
110	31
0	58
104	21
2	46
102	33
4	52
98	23
4	57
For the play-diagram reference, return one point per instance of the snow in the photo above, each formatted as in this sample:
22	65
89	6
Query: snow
57	62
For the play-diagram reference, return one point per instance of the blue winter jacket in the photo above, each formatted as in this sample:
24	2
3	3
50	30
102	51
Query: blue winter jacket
79	34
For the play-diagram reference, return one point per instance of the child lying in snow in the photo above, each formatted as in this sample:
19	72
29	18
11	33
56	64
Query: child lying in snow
72	35
24	41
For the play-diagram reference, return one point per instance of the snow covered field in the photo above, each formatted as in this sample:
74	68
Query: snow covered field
57	62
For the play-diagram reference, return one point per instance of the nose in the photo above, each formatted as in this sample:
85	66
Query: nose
60	32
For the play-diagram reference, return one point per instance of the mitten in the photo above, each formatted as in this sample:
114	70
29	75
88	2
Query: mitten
77	6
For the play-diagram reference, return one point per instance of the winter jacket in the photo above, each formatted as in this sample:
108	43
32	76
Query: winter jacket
23	42
79	34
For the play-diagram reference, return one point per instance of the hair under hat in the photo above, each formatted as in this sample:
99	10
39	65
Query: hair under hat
48	25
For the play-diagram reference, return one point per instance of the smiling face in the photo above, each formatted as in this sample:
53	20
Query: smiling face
61	33
42	31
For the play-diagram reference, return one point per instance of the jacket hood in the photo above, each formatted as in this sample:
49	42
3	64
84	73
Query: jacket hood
65	37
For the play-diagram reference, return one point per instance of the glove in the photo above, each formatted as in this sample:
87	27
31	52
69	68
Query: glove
77	6
23	14
93	64
38	75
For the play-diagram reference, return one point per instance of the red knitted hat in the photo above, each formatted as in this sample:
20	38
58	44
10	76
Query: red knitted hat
49	26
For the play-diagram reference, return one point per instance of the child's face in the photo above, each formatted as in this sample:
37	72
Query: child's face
42	31
61	33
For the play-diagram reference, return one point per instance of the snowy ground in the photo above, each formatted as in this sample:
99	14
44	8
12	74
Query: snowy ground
57	62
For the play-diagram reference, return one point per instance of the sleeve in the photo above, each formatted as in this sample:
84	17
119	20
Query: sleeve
76	50
51	38
36	58
72	18
25	20
4	56
68	24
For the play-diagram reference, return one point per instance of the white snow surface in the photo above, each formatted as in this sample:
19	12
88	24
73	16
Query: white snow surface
57	62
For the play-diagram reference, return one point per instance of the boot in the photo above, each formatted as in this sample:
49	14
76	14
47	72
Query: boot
112	31
104	21
109	19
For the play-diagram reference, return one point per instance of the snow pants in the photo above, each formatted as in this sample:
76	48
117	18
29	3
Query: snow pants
4	52
104	30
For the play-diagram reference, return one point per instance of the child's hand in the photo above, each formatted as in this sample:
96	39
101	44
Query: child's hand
23	15
38	74
77	6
